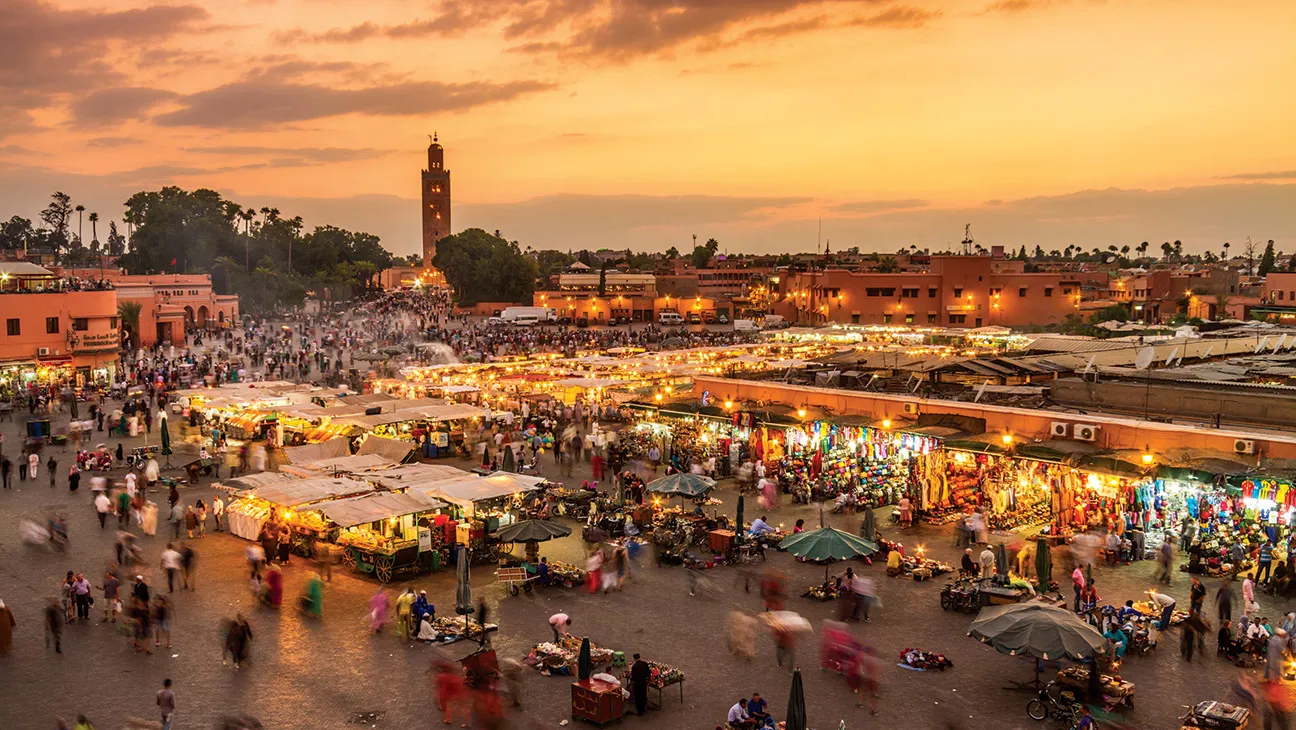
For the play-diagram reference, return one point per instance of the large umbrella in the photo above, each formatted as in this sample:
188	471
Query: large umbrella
683	485
533	531
509	462
827	544
463	589
1001	560
796	717
166	441
1039	630
1043	563
584	665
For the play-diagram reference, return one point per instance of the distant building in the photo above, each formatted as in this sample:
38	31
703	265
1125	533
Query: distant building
55	328
170	304
436	201
955	291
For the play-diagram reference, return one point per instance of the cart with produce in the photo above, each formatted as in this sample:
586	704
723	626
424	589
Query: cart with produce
515	578
385	560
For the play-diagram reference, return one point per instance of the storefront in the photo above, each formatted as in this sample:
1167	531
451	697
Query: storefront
869	465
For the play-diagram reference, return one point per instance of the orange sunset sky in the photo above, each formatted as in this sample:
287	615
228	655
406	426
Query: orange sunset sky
638	123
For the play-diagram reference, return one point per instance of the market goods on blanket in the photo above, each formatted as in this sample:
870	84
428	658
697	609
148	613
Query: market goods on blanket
920	659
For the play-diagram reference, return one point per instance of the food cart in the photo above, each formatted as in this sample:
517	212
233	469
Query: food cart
381	533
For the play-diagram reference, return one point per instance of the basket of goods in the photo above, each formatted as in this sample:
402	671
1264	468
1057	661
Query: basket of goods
823	592
565	574
660	675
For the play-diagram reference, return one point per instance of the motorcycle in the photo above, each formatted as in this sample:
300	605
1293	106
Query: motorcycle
960	595
1063	706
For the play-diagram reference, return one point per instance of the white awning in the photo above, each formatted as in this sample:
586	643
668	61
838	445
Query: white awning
310	491
378	506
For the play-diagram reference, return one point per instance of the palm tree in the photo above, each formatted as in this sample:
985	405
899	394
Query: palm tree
1125	251
1142	249
94	231
130	320
1166	250
1178	249
1226	248
80	239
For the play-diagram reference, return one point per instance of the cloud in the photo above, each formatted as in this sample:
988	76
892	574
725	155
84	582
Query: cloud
112	142
47	51
1013	6
107	107
901	16
621	29
255	104
13	149
879	206
1274	175
303	154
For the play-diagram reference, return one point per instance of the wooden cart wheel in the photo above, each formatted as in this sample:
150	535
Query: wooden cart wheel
348	560
513	589
383	568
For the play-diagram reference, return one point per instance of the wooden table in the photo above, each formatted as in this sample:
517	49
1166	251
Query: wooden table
720	540
597	701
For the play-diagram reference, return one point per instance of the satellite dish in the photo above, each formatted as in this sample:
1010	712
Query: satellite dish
1278	345
980	392
1144	359
1209	350
1260	345
1088	368
1111	259
1173	354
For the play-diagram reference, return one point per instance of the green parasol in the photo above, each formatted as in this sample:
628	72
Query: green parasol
584	665
166	439
796	717
1043	563
532	531
827	544
683	485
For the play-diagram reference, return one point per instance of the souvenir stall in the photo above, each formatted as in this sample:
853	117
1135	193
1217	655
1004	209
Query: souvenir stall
1014	492
861	465
387	534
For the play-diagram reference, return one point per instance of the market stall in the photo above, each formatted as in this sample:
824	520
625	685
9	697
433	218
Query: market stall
282	499
386	534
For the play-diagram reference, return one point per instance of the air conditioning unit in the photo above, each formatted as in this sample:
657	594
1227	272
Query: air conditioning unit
911	409
1243	446
1060	429
43	352
1085	432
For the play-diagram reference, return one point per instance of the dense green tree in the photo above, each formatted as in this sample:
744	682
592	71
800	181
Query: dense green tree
481	267
550	262
1267	258
56	216
701	256
672	253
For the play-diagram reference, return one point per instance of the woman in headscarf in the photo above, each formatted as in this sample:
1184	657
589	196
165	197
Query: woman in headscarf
404	613
378	611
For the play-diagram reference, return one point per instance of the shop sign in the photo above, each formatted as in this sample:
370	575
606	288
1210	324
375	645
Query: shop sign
425	539
442	439
96	341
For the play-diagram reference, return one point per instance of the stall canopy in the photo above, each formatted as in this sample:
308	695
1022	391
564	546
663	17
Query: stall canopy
430	411
359	462
464	492
309	491
378	506
390	449
331	449
416	475
260	479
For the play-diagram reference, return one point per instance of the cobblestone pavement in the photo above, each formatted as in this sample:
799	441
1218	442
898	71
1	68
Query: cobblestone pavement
317	674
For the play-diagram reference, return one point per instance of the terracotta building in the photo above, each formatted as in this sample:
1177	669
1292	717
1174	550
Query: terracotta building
55	328
954	291
436	201
170	304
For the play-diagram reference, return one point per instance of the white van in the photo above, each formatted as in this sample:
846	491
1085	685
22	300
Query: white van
746	325
670	319
536	314
775	321
524	320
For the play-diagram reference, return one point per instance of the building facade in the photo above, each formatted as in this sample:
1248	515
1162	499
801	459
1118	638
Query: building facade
170	304
954	291
436	201
55	330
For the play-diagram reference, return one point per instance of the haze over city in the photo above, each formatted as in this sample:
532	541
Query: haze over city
585	123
